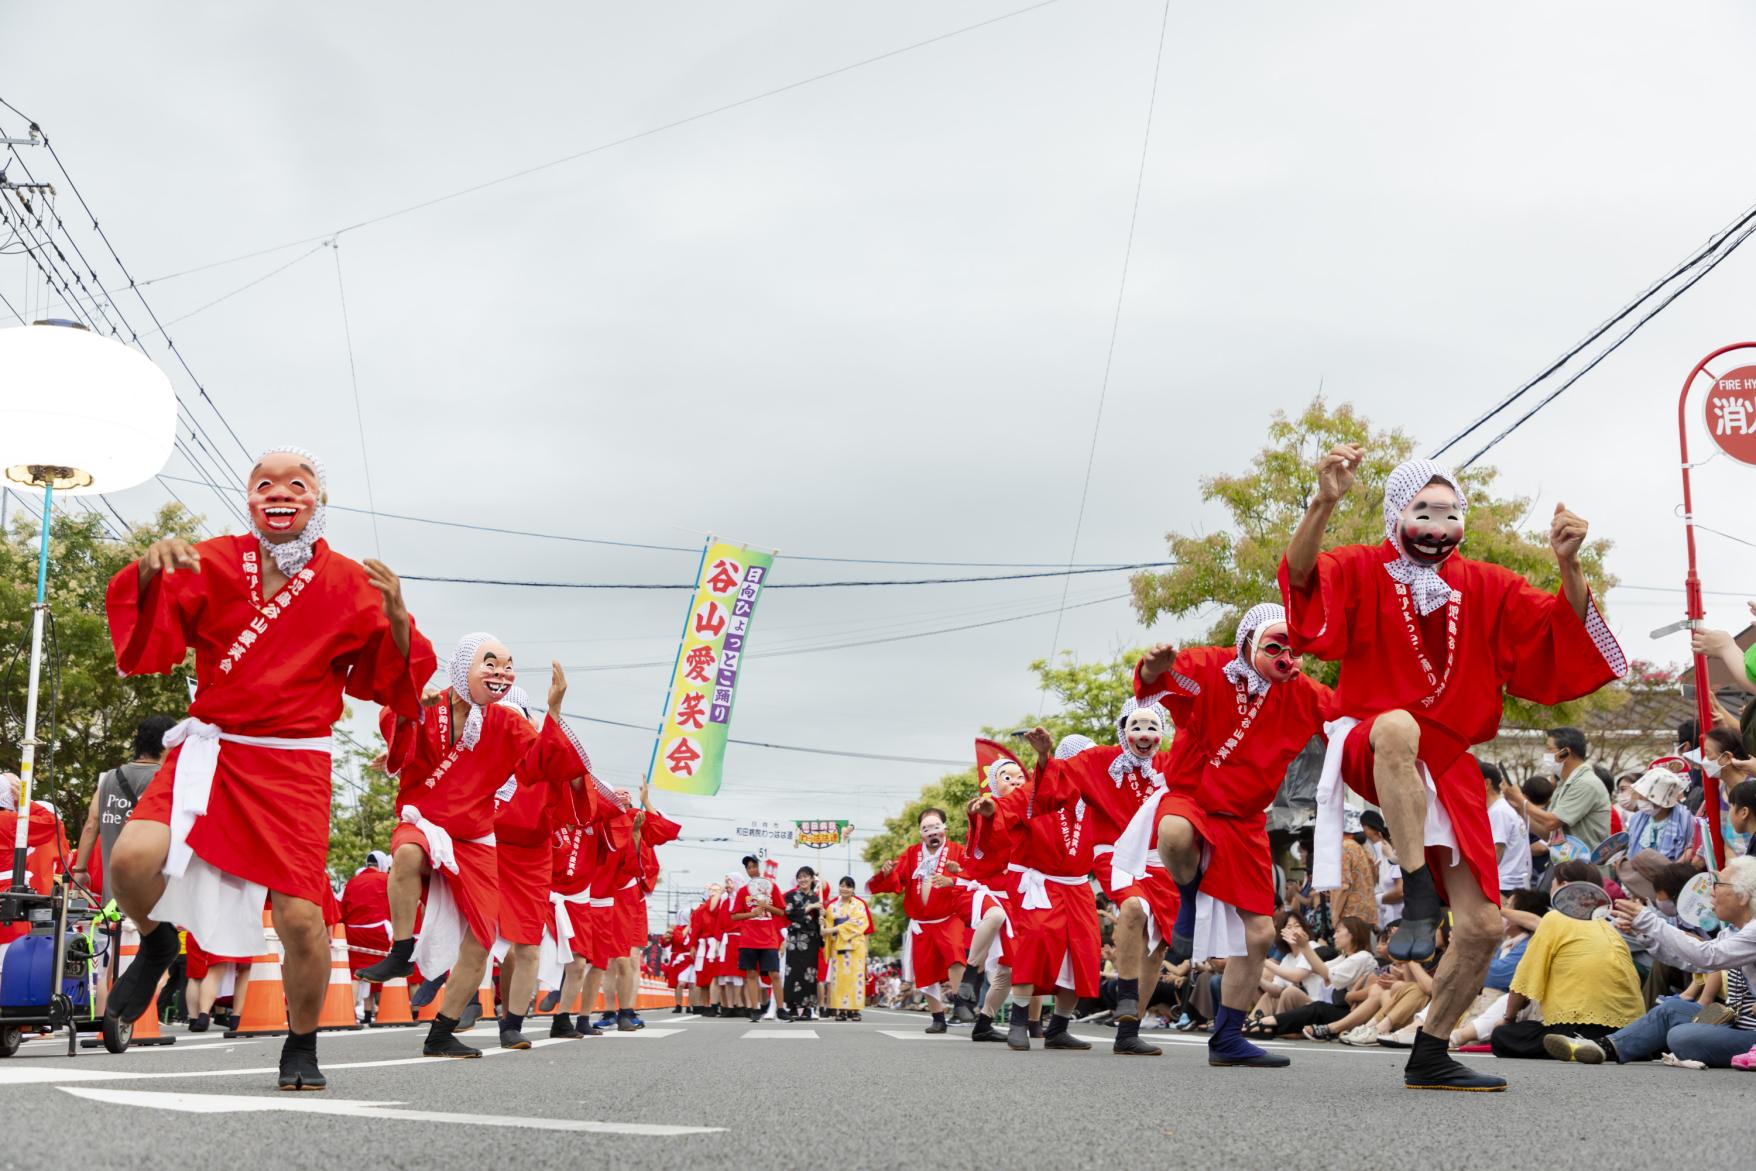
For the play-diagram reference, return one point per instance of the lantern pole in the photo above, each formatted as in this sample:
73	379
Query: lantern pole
28	750
1697	612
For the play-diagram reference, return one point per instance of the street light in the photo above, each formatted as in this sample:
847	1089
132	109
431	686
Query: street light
79	415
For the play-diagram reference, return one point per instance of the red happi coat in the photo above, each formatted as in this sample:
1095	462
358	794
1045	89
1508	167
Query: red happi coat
1112	803
454	787
937	935
365	915
1229	758
1509	636
276	666
1059	945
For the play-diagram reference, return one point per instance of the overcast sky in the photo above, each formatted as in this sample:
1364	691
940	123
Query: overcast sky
868	317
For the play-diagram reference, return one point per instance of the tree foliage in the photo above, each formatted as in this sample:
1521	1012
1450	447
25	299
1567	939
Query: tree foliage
87	713
362	812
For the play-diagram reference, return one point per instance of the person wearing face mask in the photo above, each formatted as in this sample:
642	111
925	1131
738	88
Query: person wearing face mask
1580	806
1058	939
1117	783
984	873
283	627
1430	642
925	876
1742	810
1660	822
450	764
1242	713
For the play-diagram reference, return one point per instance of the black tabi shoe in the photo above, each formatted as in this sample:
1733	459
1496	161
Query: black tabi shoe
200	1024
985	1030
1059	1036
441	1043
134	989
675	1009
1430	1067
587	1029
1416	938
962	1012
549	1000
625	1022
1036	1029
470	1016
561	1027
298	1063
1128	1042
938	1025
513	1039
394	966
1018	1031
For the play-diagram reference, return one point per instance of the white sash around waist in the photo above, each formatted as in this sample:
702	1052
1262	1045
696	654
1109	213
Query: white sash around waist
223	910
1332	811
1033	886
1137	846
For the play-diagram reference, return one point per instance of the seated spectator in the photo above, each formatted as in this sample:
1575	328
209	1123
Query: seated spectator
1660	821
1578	970
1345	977
1742	812
1671	1026
1394	996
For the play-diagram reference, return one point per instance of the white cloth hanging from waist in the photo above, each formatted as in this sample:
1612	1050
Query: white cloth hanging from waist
908	944
1137	846
1332	811
442	922
223	910
979	889
1033	886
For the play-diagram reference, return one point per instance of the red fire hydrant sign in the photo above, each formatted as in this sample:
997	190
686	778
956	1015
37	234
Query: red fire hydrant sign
1731	413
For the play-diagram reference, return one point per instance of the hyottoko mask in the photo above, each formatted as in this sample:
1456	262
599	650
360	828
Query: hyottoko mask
1272	653
286	490
490	673
1005	777
1430	527
1143	731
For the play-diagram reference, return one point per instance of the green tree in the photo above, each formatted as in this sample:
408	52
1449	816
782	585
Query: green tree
1237	567
1088	696
87	713
362	809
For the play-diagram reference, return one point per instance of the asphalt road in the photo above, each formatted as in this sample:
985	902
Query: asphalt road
702	1093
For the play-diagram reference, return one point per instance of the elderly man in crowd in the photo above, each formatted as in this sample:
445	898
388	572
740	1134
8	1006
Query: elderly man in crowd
1670	1025
1580	805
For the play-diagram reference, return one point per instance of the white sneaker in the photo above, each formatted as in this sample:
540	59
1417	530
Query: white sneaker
1360	1035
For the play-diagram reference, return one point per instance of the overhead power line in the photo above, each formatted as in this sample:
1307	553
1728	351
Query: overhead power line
604	146
783	585
691	550
1701	255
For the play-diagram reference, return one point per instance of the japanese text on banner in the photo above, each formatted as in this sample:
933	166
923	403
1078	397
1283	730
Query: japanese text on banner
690	753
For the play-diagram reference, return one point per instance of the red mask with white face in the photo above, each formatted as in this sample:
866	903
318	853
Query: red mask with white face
1431	526
1274	656
491	675
284	496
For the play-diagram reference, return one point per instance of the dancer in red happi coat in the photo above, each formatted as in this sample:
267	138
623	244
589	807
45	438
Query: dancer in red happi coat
282	628
1429	643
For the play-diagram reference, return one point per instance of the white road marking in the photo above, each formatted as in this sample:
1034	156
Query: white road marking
16	1073
649	1031
781	1035
377	1111
920	1035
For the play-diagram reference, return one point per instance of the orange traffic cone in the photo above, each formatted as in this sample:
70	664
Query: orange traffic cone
264	1011
338	999
485	993
393	1005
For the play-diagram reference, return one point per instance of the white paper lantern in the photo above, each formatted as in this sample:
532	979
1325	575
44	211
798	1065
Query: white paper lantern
90	406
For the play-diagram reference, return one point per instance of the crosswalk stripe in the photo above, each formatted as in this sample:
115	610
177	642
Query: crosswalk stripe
781	1035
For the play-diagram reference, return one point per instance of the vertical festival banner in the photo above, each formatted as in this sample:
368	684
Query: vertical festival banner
689	754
